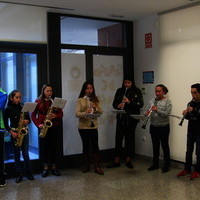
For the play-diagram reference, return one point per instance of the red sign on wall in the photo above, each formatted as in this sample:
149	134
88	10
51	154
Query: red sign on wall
148	40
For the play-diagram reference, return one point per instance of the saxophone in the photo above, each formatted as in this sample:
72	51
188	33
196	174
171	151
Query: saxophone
47	123
21	130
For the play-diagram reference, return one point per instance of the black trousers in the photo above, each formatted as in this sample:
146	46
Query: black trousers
1	154
192	137
89	139
125	131
160	135
49	146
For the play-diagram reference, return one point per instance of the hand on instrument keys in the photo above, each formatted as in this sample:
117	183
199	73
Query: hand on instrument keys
154	108
14	134
188	110
91	108
147	113
26	122
121	105
126	100
52	116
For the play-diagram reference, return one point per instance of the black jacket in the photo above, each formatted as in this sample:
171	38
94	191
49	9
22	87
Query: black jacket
194	117
135	97
12	113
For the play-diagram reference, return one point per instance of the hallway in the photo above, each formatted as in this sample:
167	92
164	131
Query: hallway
117	184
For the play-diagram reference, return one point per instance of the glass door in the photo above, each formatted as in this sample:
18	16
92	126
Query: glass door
73	76
19	71
108	76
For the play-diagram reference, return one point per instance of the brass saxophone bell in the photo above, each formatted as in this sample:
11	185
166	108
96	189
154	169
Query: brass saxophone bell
48	123
24	131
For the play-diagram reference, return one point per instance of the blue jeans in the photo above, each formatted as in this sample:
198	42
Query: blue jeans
25	166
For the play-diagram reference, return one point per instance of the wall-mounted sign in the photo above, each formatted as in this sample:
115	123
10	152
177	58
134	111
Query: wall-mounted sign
148	77
148	40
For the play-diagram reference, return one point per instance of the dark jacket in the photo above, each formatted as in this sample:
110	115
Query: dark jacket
136	101
194	117
13	112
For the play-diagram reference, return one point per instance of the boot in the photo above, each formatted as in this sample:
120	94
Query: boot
86	160
97	168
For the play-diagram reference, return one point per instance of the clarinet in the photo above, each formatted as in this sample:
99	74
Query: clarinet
89	106
124	96
183	118
149	115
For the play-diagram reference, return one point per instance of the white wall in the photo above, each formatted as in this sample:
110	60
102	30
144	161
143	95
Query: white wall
145	60
23	23
175	60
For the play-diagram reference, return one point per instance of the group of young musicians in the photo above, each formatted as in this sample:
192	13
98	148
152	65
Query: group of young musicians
128	98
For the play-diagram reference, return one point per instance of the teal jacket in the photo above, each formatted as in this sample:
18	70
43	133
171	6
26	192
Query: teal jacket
3	100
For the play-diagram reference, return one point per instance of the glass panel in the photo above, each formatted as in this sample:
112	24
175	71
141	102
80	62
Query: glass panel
19	71
73	76
108	76
91	32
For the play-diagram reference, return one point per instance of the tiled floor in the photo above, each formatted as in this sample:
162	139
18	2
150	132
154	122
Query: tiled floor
117	184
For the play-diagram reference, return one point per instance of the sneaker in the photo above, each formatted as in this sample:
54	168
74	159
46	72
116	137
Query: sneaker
183	173
195	175
2	182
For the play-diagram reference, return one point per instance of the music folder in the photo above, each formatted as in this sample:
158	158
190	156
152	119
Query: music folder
29	107
93	115
59	103
119	111
139	117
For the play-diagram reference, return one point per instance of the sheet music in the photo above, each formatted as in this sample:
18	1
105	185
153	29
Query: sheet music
93	116
59	103
139	116
29	107
119	111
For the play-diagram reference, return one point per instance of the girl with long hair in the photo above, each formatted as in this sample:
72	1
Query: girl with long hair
88	103
12	113
48	144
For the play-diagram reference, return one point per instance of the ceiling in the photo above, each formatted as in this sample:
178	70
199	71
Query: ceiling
112	9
